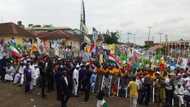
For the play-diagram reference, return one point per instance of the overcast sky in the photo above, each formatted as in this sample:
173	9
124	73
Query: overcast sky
170	17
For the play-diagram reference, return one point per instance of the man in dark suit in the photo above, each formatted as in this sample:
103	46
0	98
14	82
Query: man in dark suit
3	63
66	88
87	83
42	78
49	72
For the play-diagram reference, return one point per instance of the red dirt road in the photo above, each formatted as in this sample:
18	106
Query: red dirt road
13	96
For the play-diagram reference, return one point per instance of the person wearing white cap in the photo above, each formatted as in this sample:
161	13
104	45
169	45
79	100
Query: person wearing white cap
76	80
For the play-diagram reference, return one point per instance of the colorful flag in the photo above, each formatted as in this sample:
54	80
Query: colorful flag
123	58
114	58
112	48
14	52
93	48
34	48
136	55
83	27
94	34
101	60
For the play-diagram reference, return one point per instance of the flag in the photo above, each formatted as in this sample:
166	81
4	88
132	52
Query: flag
93	47
136	55
101	60
112	48
14	52
83	27
83	14
94	34
87	39
1	55
84	31
158	56
114	59
34	48
123	58
117	51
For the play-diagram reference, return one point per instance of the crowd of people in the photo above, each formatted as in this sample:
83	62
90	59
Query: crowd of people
167	89
67	77
76	78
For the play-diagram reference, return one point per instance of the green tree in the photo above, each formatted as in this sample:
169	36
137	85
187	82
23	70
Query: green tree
111	38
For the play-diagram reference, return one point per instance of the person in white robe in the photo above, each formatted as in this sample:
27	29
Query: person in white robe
76	80
10	71
93	80
18	74
35	75
17	78
21	71
179	91
33	72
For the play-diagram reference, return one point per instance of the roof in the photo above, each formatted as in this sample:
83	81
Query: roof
154	48
45	27
13	29
73	36
51	35
57	35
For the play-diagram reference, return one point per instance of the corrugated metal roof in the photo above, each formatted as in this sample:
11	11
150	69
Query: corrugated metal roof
11	28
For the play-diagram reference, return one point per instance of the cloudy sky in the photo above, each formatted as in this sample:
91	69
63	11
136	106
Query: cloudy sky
171	17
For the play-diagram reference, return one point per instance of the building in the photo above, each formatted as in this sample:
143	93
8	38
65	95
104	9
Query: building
44	28
11	30
62	38
178	48
68	39
149	43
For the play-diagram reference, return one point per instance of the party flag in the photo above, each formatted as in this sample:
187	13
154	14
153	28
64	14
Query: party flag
136	55
34	48
14	51
93	47
114	58
123	57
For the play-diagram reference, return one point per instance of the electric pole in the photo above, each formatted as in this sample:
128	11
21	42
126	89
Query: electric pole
149	31
160	37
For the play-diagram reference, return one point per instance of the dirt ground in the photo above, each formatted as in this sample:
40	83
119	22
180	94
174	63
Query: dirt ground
14	96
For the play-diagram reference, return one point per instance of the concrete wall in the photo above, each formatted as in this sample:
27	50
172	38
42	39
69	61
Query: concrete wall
19	39
75	45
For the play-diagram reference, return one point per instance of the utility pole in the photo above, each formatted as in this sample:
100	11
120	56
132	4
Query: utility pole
1	19
153	38
149	31
160	37
134	38
167	47
128	37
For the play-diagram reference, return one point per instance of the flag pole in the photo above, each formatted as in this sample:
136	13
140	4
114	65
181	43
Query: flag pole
118	87
102	82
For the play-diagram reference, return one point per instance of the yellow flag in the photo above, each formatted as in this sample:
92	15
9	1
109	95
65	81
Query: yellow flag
112	48
34	48
101	59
